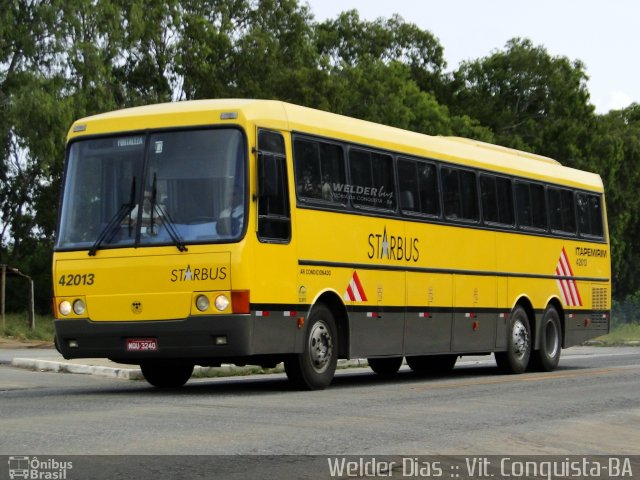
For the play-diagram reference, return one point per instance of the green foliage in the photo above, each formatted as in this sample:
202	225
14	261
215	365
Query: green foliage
625	334
17	327
529	99
627	310
65	59
613	150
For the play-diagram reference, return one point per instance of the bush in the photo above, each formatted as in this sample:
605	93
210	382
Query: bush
17	326
626	311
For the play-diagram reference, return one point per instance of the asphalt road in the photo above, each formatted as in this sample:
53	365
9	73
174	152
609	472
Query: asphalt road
590	405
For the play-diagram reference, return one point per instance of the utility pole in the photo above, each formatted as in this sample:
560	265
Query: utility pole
2	297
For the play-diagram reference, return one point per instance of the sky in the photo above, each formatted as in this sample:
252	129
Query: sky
603	34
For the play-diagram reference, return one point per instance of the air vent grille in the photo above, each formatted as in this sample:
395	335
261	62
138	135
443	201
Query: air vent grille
599	296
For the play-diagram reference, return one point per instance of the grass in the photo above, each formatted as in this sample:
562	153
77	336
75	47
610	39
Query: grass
624	334
17	327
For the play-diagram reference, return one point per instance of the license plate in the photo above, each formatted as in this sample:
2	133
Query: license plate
142	344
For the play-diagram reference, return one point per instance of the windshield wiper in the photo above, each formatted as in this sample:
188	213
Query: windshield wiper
165	219
111	228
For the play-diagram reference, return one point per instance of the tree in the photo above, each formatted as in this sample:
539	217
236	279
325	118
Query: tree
255	49
28	51
348	40
387	94
205	46
614	152
61	60
385	71
148	39
531	100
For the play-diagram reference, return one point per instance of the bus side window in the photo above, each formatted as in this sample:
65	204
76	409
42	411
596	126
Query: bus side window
274	220
409	188
497	199
562	216
372	179
319	171
531	204
590	215
460	194
418	187
489	198
505	201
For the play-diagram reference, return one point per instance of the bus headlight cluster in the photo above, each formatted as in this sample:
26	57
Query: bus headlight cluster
212	302
202	303
65	307
222	302
78	307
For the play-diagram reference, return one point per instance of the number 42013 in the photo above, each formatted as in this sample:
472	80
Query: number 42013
71	280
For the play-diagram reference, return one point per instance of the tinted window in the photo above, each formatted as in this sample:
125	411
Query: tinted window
460	194
274	223
320	172
531	205
590	215
562	215
418	187
497	199
372	179
191	190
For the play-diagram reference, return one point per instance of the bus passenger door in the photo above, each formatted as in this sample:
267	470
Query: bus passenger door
274	273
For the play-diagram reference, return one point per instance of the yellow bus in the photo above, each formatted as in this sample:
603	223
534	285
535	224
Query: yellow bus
259	232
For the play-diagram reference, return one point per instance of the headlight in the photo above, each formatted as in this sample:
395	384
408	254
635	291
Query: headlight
65	308
222	302
202	303
79	307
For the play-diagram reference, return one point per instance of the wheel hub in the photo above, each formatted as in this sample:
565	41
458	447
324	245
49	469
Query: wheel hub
320	346
520	339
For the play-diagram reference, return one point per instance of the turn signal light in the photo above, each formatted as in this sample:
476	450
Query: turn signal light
240	301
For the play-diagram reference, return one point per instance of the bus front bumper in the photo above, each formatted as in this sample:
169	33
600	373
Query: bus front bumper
202	337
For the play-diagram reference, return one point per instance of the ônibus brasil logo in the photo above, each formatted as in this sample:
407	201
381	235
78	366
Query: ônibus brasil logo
38	469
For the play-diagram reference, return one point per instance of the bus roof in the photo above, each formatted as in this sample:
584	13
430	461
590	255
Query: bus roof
289	117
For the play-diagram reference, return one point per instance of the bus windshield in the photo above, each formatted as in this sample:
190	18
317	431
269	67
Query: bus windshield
190	184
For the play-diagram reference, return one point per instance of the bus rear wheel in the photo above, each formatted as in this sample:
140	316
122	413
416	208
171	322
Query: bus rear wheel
547	358
314	368
385	366
516	358
166	374
433	364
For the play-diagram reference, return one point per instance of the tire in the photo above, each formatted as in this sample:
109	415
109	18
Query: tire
313	369
547	358
386	366
432	364
167	374
516	358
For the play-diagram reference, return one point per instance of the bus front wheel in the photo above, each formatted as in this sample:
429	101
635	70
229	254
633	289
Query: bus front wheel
516	358
166	374
313	369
